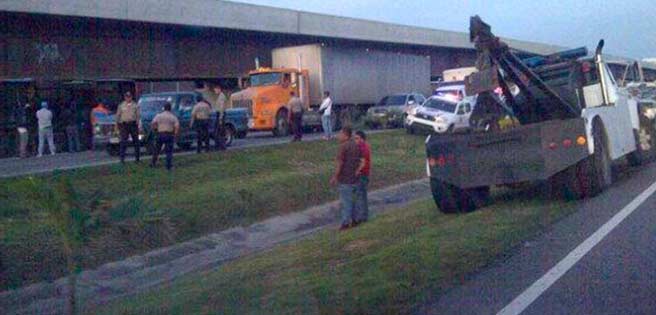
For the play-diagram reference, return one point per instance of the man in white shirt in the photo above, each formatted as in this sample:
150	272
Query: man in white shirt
326	118
44	118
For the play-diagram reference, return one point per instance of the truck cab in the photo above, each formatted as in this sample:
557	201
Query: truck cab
266	97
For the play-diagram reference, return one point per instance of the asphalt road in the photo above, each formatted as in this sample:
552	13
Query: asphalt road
616	276
15	167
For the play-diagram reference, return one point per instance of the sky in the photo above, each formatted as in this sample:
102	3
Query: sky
628	26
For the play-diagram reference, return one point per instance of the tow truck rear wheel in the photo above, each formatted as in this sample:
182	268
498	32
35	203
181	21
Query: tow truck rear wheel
595	173
645	142
451	199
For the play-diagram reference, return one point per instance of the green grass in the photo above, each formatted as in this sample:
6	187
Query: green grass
387	266
144	208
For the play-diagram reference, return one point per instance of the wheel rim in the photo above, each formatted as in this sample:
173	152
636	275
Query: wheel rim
229	134
604	160
645	140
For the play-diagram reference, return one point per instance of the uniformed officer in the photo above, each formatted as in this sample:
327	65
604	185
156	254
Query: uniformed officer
167	127
127	123
219	108
200	120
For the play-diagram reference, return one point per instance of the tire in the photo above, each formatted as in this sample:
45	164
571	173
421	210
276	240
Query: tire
450	129
281	128
595	173
568	184
230	134
113	149
645	143
451	199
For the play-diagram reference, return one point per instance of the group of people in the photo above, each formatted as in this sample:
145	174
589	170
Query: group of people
167	127
296	111
352	177
36	126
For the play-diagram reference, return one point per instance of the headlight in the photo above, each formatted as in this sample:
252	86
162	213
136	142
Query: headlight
439	119
96	129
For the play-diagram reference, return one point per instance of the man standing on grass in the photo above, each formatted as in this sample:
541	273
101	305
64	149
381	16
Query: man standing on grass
295	106
44	117
326	109
348	160
219	107
362	204
200	120
167	127
127	123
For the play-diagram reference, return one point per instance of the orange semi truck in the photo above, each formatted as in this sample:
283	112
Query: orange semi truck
356	79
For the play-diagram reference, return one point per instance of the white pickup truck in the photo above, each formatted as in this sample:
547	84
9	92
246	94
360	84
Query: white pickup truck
440	114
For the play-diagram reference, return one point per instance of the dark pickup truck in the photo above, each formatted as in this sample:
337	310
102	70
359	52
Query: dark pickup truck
236	120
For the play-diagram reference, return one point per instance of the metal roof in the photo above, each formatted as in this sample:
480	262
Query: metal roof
241	16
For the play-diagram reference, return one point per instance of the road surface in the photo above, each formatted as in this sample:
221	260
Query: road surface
15	167
600	260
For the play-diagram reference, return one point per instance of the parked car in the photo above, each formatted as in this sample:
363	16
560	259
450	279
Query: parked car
236	120
392	110
440	114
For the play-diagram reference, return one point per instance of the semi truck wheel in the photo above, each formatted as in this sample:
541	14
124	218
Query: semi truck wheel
113	149
451	199
282	125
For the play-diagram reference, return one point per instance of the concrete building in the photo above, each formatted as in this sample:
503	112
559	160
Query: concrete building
164	39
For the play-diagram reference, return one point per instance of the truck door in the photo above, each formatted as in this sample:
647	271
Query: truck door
183	109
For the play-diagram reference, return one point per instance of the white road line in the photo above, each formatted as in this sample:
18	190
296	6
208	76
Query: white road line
521	302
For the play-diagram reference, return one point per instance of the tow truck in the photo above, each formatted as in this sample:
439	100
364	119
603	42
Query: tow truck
572	122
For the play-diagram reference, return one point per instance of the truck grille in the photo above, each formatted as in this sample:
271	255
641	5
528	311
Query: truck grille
248	104
424	116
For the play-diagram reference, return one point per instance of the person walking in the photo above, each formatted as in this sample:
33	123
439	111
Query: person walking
44	118
219	108
200	120
69	116
127	123
167	127
295	106
326	115
348	160
362	202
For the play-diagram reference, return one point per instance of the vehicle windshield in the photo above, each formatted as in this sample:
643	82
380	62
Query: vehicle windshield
440	104
154	103
394	100
262	79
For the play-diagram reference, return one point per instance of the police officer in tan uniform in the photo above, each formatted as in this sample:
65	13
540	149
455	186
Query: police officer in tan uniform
167	127
219	108
295	106
127	123
200	120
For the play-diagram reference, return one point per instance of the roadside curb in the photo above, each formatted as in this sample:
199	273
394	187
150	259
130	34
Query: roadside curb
139	273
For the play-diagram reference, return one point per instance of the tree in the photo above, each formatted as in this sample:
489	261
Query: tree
68	215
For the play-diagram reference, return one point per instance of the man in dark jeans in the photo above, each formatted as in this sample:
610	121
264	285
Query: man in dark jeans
362	202
69	117
127	122
200	120
167	127
295	106
348	161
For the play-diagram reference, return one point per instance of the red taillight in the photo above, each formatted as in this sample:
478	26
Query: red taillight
553	146
441	160
567	143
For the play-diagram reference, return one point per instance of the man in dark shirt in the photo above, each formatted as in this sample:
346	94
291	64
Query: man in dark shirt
362	206
348	161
